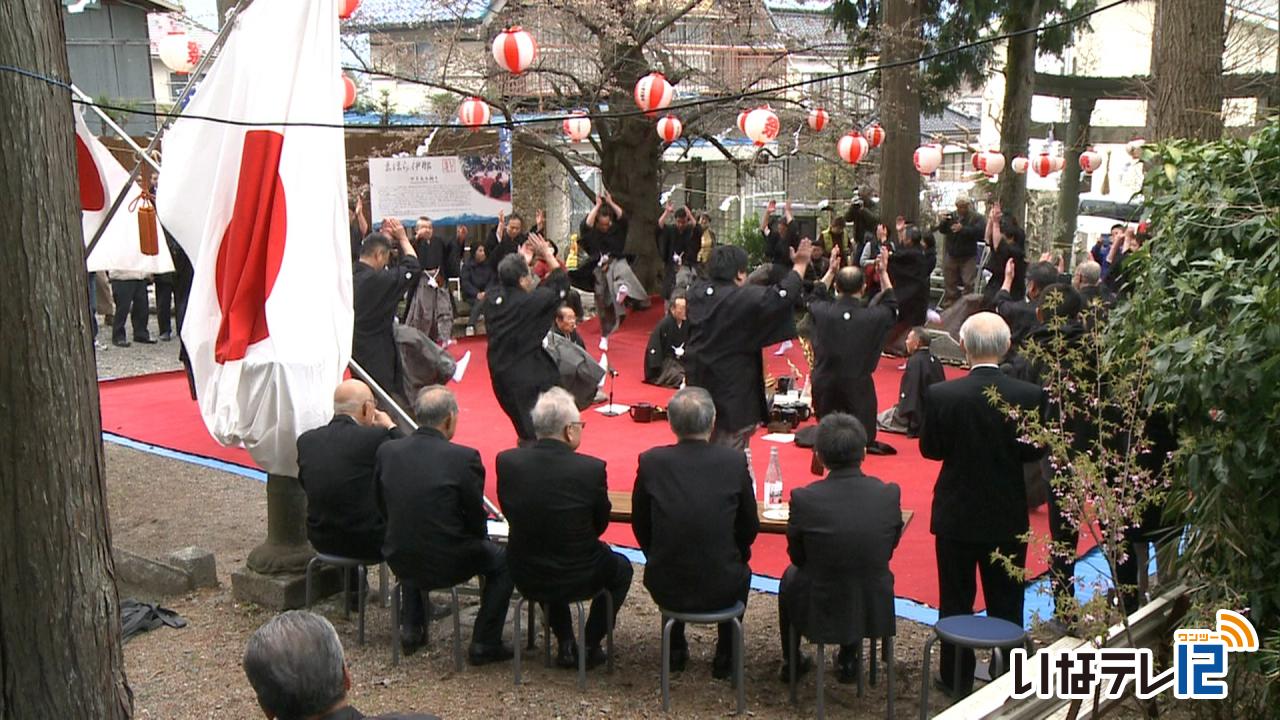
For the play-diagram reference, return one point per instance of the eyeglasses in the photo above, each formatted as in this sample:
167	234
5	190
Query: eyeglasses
580	423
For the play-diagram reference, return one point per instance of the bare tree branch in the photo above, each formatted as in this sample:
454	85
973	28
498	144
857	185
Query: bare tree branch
534	142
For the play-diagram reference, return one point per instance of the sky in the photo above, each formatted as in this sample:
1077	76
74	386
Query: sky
206	11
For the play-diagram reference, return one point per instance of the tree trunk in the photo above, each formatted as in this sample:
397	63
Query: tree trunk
1186	70
59	609
629	166
900	112
1015	116
1077	141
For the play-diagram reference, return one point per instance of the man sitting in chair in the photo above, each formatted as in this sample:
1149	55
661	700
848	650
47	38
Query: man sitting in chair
841	534
695	495
556	501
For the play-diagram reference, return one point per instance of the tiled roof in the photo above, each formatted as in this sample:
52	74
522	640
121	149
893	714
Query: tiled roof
391	14
810	30
815	6
949	122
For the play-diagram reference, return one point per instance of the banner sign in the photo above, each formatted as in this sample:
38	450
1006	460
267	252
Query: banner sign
450	190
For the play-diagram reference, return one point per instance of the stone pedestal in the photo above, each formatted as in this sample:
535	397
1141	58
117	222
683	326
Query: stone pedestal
274	575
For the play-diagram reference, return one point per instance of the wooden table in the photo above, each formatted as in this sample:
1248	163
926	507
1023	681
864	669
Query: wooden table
621	512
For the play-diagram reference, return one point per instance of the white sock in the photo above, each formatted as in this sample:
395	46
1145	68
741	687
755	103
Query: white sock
461	368
622	294
604	343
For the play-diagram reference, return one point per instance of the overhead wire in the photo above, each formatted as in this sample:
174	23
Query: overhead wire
511	123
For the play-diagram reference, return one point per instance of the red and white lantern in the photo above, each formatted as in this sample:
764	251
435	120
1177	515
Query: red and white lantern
1019	164
977	160
577	127
347	8
742	121
762	126
1090	161
927	158
993	163
1059	162
348	92
474	112
653	93
178	52
514	50
874	134
853	147
818	119
669	129
1043	165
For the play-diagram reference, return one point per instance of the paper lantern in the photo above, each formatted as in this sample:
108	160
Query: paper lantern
348	92
1020	164
762	125
927	158
1043	165
978	160
514	50
577	127
473	112
742	121
853	147
178	52
1090	160
347	8
1134	148
669	129
818	119
654	93
874	134
1059	162
993	162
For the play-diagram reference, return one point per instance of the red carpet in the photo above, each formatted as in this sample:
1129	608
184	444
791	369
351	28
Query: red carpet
157	409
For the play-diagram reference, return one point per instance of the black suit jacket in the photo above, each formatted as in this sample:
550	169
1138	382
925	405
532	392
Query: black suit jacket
842	532
980	495
693	510
375	294
557	504
335	468
431	493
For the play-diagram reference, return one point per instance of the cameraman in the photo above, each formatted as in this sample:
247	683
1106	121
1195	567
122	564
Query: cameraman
962	230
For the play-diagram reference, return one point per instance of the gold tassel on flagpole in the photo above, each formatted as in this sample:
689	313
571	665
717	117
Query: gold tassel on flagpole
145	206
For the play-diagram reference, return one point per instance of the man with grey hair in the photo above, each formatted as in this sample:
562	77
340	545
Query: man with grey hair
1096	298
841	535
980	499
431	491
296	667
556	501
695	495
335	469
962	231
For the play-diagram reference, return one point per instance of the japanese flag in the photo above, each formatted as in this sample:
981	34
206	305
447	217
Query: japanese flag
261	211
102	177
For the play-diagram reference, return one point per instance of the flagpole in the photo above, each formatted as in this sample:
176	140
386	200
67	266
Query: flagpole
204	63
403	417
116	128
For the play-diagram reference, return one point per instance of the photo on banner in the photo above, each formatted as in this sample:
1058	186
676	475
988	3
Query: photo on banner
449	189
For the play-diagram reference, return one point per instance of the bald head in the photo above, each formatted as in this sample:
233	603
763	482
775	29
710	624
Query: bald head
984	338
350	397
850	280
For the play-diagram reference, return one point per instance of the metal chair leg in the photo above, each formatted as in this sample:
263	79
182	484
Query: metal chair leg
384	585
871	652
857	664
531	641
608	607
346	588
924	677
515	660
793	656
819	662
666	664
457	630
362	597
582	646
888	671
739	664
395	624
546	634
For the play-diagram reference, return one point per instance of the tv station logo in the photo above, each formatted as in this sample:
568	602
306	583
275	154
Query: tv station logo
1200	664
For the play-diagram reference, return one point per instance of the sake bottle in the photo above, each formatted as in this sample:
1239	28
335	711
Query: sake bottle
773	480
755	484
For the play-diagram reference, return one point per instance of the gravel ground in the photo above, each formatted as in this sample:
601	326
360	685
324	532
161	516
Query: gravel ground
137	359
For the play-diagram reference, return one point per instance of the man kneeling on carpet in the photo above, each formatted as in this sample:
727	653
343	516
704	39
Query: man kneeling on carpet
431	492
297	669
923	369
841	535
695	495
664	355
556	502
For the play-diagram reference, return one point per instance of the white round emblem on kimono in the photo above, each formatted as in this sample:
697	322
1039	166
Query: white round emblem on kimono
711	291
782	293
498	301
847	316
653	351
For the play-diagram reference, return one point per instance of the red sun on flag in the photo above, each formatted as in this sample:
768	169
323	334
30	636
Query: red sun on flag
93	196
252	247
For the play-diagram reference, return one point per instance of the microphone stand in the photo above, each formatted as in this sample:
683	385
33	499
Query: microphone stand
612	410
